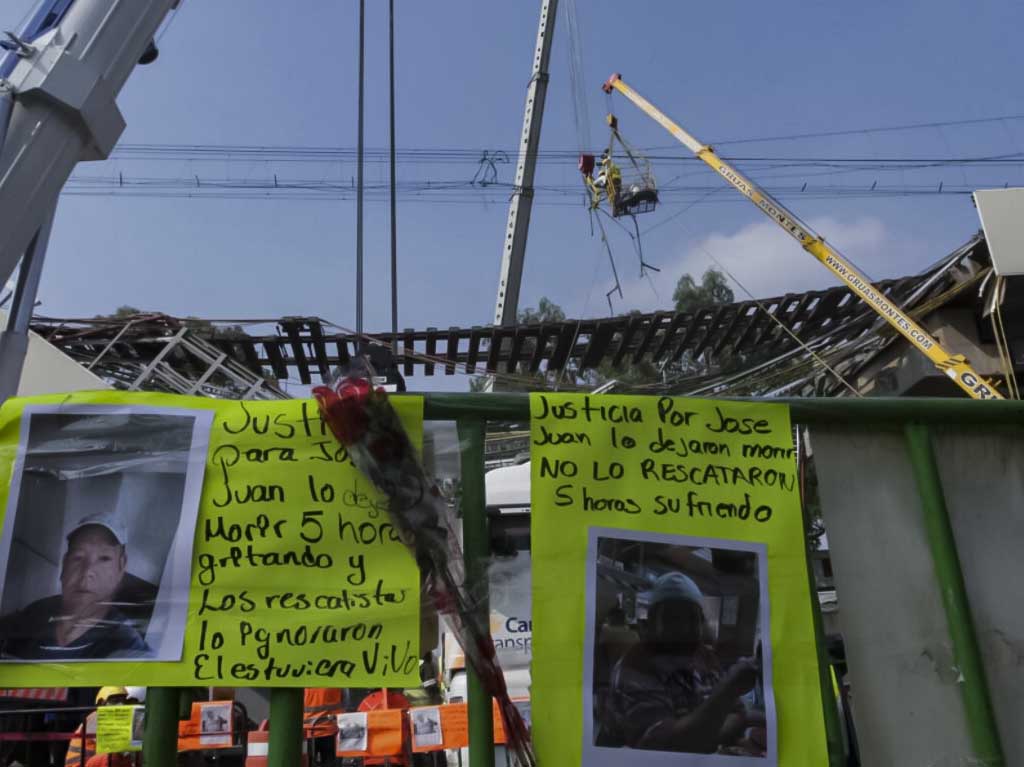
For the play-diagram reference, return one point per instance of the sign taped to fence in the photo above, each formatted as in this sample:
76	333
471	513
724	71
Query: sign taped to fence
671	600
197	542
119	728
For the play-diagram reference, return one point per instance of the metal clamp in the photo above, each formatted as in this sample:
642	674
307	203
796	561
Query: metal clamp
17	46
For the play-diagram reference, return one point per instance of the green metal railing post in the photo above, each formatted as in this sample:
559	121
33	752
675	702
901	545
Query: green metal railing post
285	747
981	723
160	736
476	550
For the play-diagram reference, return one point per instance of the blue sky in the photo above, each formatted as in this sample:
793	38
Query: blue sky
284	74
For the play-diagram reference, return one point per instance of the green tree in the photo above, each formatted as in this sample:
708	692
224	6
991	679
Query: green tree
713	290
546	311
689	295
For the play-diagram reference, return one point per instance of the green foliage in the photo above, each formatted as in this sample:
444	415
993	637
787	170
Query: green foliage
546	311
713	290
689	295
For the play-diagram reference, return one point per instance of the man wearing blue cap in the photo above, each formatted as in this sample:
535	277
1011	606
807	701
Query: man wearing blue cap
82	622
668	692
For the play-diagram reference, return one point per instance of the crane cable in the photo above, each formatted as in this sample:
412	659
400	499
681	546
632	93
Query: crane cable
580	107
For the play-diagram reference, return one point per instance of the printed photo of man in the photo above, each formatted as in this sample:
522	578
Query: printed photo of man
675	644
83	622
669	691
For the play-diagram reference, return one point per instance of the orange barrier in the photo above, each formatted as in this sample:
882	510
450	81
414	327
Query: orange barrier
451	731
382	734
258	748
209	726
438	728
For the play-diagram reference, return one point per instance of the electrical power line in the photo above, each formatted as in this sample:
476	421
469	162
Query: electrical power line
457	191
449	155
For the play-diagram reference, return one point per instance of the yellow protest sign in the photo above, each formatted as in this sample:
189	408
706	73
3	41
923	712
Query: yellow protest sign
197	542
671	600
119	728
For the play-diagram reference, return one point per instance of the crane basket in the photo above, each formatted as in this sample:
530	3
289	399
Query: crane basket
637	191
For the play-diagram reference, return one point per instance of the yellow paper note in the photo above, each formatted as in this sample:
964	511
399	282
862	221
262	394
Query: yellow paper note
671	601
119	728
197	542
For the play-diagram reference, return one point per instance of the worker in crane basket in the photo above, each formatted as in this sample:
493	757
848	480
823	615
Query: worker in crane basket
669	692
607	183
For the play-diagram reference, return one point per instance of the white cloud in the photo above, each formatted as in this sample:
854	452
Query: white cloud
768	262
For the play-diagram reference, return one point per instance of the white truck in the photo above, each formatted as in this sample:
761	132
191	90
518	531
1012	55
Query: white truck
508	507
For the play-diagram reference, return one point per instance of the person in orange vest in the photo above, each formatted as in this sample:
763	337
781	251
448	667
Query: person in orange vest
320	720
111	760
132	696
82	747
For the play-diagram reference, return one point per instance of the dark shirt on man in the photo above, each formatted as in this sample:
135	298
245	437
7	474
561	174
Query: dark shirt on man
31	634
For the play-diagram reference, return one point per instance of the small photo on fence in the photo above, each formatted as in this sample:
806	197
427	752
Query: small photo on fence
138	726
426	727
215	723
96	544
677	654
352	732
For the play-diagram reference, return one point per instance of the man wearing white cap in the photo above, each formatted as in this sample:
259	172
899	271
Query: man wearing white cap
668	693
82	622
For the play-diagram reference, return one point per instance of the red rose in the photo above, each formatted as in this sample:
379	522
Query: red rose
345	410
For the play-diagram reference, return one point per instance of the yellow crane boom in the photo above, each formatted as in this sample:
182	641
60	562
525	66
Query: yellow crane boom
955	366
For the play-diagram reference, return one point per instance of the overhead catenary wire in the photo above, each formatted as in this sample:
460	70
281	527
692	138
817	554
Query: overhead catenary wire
393	175
471	155
577	84
463	191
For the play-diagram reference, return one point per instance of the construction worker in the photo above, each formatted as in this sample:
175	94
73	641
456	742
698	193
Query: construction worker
83	745
320	720
668	692
133	697
607	183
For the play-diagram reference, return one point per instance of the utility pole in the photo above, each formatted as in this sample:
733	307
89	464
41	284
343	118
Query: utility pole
359	177
394	185
522	192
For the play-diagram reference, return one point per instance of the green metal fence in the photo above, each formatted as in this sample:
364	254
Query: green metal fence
471	412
